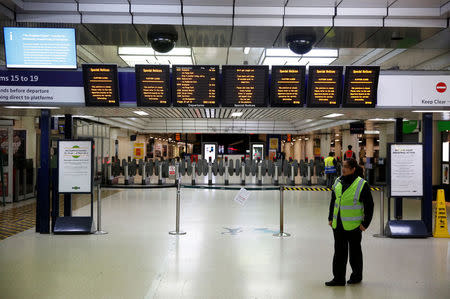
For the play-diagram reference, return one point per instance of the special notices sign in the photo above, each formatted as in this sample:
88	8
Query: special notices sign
406	170
324	86
100	85
361	83
245	86
74	166
288	86
152	85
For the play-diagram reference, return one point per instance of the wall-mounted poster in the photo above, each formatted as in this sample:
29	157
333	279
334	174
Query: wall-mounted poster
138	151
406	169
158	150
273	143
445	174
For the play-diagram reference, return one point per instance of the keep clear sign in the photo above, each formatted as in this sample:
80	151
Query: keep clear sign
74	166
406	170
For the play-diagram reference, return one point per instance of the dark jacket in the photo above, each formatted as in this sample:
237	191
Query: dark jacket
365	198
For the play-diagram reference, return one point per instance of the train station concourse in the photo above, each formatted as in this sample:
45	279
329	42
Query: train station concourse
224	149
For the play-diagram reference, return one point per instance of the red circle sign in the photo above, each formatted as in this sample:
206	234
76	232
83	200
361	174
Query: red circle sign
441	87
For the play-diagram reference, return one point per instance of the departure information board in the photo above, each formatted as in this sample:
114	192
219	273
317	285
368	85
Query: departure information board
152	85
244	86
360	88
195	86
288	86
324	86
100	85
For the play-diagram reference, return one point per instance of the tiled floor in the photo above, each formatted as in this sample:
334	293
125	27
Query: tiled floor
228	252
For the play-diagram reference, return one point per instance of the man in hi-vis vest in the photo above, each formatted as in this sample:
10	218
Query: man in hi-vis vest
330	169
351	210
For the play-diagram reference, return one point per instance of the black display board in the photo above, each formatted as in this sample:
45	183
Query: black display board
100	85
153	85
195	86
360	88
288	86
244	86
324	86
357	128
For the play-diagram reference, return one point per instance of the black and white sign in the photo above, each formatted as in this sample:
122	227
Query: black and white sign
75	166
406	170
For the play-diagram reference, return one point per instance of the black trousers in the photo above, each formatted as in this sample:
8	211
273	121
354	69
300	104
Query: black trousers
346	242
330	179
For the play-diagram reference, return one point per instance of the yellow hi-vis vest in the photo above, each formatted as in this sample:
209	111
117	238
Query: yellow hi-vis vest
351	209
329	166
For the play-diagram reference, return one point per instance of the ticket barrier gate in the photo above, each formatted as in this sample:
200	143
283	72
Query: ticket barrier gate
24	176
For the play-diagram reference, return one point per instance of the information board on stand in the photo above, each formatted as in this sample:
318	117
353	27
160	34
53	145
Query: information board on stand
288	86
100	85
360	88
406	169
152	85
245	86
324	86
195	86
75	166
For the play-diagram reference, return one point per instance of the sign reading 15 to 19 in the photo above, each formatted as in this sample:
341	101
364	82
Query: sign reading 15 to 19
19	78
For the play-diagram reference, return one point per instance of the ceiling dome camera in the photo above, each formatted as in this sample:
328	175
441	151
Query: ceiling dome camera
162	41
300	43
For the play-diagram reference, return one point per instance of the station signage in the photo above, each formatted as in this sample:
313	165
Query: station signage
244	86
324	86
288	86
152	85
195	86
406	169
360	88
100	85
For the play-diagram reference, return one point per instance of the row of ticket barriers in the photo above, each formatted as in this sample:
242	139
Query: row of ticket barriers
221	171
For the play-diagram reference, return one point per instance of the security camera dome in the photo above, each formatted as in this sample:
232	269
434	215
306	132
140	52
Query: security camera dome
300	43
162	39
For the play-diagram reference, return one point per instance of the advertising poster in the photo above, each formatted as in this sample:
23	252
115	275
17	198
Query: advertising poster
273	143
406	170
138	151
74	166
158	150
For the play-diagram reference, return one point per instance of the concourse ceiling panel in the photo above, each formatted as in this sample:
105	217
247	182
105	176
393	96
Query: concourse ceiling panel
253	36
208	36
318	32
116	34
346	37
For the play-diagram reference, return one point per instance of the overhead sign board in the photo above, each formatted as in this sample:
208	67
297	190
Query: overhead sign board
75	166
100	85
244	86
288	86
195	86
152	85
406	169
360	88
324	86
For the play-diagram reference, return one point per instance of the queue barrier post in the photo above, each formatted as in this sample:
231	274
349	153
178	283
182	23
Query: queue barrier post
99	230
282	233
381	234
177	217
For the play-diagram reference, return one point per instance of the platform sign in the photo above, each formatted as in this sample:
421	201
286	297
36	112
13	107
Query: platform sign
195	86
245	86
288	86
75	166
406	169
100	85
324	86
152	85
361	84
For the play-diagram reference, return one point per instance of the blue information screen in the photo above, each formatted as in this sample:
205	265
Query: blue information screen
53	48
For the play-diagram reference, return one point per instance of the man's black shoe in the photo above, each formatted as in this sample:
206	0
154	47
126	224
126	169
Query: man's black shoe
351	281
333	283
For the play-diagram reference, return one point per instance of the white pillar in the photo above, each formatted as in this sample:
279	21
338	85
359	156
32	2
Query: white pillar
325	144
297	150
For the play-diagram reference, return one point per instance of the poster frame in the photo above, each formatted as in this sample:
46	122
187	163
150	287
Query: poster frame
92	164
388	170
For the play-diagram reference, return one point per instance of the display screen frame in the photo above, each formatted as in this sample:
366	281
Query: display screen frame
140	99
345	102
40	67
309	102
87	99
266	86
174	87
303	90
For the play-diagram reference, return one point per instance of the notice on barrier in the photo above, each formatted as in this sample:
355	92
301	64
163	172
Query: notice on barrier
75	166
406	170
242	196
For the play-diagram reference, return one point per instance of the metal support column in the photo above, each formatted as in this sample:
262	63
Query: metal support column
427	120
398	137
282	233
43	199
68	128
